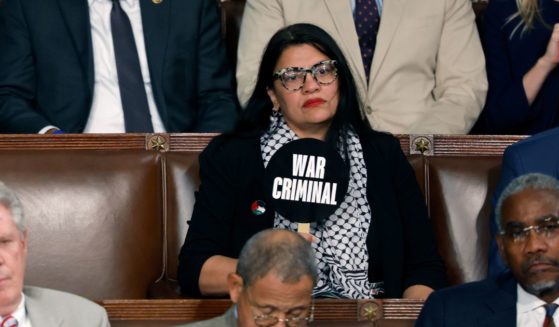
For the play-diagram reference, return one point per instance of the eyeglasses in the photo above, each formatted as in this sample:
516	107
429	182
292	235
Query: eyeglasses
547	226
272	320
293	78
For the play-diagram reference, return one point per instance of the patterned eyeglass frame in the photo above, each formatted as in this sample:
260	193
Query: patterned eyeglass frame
311	70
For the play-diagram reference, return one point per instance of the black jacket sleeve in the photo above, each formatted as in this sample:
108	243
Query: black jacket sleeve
401	240
231	175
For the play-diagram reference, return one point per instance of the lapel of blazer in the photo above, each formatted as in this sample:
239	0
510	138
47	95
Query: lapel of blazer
502	304
76	16
389	23
345	26
37	313
156	24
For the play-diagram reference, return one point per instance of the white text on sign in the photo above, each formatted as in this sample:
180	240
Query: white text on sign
295	189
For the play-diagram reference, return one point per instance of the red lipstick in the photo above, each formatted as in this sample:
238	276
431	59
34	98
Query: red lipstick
313	102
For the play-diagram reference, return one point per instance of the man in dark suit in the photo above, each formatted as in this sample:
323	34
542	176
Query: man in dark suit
103	65
538	154
527	216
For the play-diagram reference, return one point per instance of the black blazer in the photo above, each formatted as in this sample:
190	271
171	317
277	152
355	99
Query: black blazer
400	241
487	303
47	73
507	60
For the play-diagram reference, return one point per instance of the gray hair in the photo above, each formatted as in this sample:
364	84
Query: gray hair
534	181
283	252
9	200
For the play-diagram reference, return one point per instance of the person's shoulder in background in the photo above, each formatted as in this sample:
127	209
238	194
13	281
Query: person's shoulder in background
537	153
44	304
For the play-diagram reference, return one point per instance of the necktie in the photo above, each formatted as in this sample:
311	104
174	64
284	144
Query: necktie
549	311
367	22
9	321
132	90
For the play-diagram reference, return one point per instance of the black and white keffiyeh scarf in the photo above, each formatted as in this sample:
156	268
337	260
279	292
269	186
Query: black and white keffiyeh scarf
341	249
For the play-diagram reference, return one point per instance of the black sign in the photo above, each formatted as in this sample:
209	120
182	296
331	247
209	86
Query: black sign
306	180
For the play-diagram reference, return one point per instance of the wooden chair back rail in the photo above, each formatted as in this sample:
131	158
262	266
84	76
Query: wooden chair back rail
457	145
325	309
72	142
470	145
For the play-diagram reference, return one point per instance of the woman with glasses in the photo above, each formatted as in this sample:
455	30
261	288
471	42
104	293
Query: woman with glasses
378	243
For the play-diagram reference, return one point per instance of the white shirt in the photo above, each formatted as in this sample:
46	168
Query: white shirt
21	314
530	310
106	114
379	6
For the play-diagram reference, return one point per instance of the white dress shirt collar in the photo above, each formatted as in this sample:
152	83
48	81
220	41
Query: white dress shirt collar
21	314
529	309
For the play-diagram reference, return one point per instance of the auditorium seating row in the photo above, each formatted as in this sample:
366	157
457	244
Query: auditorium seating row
107	214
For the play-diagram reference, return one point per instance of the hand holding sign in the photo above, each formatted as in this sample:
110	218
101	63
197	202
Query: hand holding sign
306	180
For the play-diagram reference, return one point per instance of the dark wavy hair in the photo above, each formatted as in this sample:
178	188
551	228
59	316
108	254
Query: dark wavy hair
256	116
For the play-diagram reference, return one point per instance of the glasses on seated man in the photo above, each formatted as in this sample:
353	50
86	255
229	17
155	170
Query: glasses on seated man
298	316
546	226
269	320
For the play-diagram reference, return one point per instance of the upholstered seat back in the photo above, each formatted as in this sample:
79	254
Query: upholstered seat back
459	191
94	219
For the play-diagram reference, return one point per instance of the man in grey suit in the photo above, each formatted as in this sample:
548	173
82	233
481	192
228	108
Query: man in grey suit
33	306
275	276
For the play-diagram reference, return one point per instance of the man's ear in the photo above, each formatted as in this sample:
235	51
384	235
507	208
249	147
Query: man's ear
501	245
235	285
